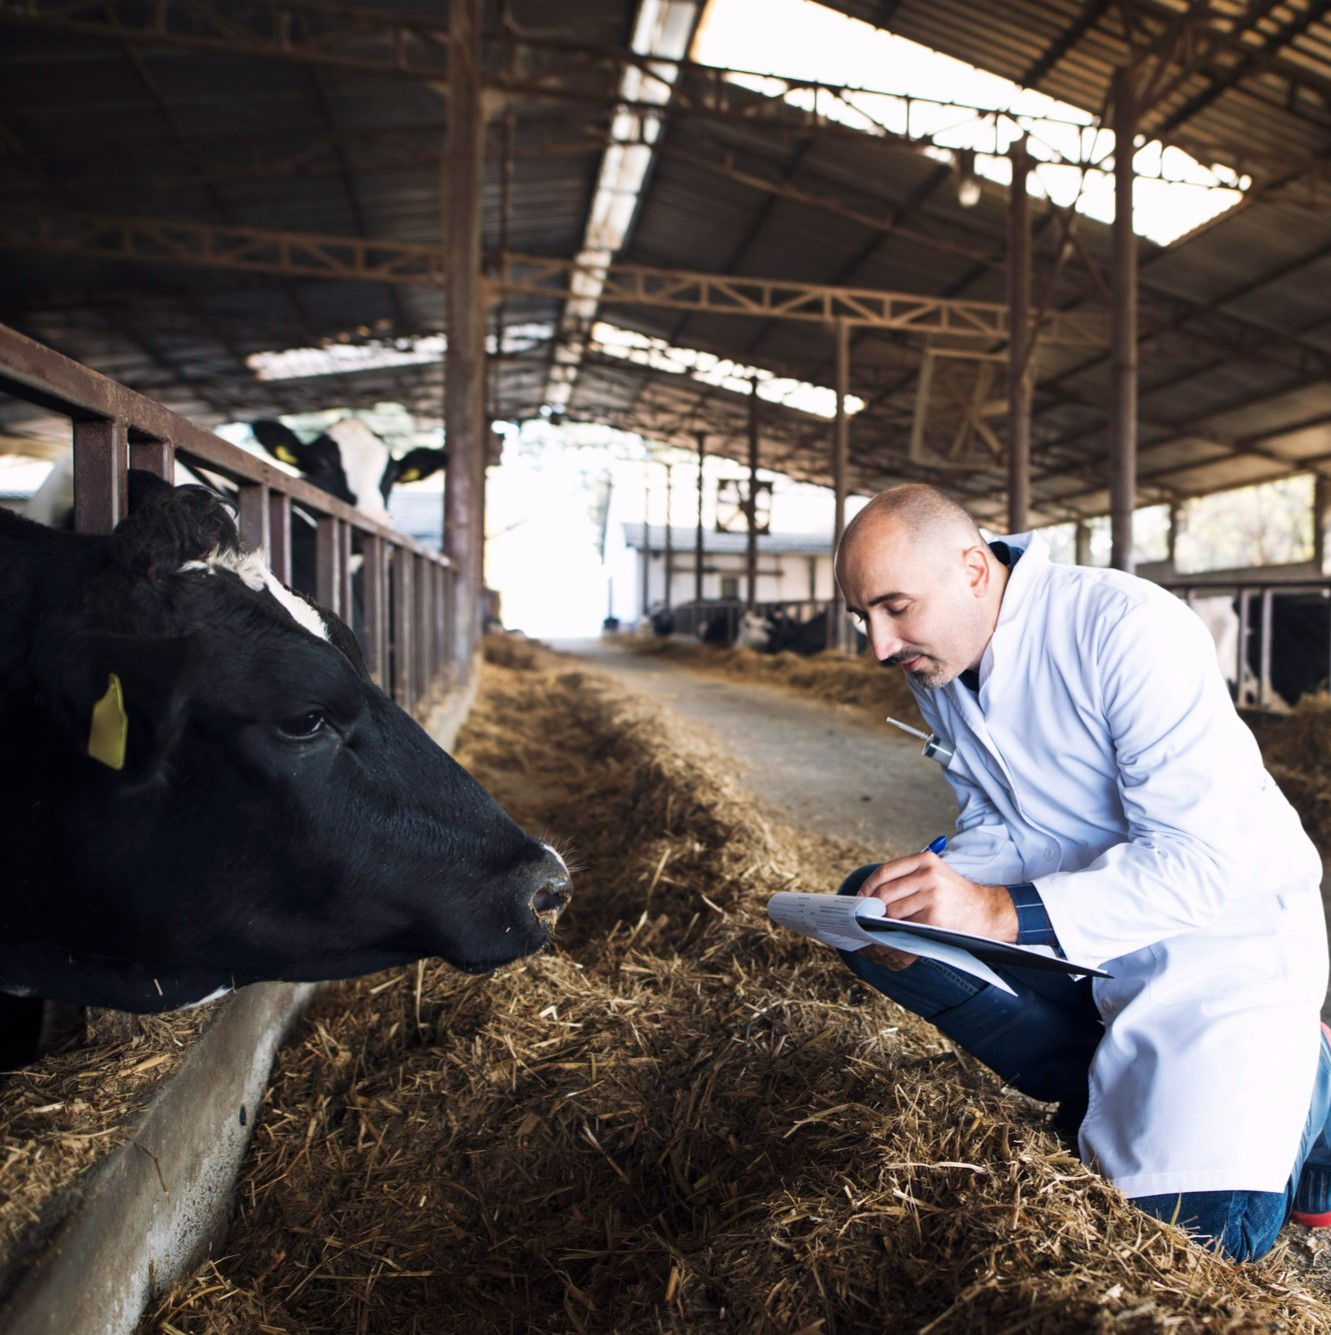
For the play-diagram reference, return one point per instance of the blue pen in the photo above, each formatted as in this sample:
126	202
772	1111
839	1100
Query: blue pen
937	846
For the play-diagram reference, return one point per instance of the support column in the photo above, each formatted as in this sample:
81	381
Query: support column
1171	538
751	510
646	538
1123	283
836	618
669	537
1322	523
1081	549
697	546
464	321
1021	346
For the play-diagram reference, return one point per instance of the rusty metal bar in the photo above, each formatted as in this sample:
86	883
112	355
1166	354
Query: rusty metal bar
344	572
255	505
464	321
450	578
668	546
404	686
1264	679
279	534
751	545
430	573
327	565
646	537
374	597
420	619
1123	407
697	546
1021	345
836	619
101	460
153	456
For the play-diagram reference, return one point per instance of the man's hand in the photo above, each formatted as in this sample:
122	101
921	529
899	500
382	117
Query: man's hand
923	888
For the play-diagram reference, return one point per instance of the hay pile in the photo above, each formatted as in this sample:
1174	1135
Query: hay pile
831	677
1297	748
683	1120
65	1113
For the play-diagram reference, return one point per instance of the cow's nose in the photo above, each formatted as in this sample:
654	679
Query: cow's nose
553	896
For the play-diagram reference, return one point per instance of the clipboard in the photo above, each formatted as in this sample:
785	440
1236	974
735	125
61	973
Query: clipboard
982	947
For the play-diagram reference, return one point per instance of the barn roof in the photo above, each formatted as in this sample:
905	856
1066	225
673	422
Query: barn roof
184	187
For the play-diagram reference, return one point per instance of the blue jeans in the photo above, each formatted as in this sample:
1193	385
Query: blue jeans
1041	1041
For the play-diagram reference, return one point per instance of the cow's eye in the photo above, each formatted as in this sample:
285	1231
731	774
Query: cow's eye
302	726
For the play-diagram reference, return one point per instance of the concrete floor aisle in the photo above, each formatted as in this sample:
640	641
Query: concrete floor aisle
822	767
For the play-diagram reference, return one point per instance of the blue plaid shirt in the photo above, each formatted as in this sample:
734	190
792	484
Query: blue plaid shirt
1033	925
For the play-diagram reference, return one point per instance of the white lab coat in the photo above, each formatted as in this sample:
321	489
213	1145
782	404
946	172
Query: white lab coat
1104	761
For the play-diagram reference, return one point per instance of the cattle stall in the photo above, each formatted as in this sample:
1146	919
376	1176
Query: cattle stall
1273	635
408	589
167	1101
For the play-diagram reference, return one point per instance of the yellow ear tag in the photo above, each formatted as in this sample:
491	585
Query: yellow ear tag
110	727
286	454
409	475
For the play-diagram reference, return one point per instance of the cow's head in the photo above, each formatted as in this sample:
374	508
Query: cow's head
212	791
350	461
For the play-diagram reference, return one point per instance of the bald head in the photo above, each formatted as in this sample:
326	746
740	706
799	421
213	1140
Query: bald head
917	573
930	516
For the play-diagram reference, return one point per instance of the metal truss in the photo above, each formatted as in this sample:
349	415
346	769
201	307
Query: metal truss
308	31
725	294
250	249
299	254
1221	46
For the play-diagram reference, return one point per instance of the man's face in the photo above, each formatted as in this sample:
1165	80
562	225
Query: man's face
920	604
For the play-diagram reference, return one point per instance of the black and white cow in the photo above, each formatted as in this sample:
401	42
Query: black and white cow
1300	646
350	462
204	789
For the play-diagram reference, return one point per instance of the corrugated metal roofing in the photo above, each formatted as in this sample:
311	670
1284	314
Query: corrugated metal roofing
1235	348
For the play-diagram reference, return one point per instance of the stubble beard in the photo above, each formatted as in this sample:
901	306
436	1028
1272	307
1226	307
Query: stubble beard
930	677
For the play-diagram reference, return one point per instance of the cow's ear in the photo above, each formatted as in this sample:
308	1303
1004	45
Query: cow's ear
280	441
120	699
168	526
417	464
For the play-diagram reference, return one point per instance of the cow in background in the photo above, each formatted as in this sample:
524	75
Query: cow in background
350	462
1300	646
754	632
207	790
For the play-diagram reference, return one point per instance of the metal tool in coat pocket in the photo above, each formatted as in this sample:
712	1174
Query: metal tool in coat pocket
935	747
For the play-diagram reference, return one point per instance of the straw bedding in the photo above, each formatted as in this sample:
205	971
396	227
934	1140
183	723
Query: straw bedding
1297	748
69	1110
830	677
681	1119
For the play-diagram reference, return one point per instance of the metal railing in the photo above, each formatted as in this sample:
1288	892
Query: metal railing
407	590
1244	591
691	619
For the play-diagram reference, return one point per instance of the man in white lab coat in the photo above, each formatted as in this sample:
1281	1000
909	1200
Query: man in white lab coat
1114	807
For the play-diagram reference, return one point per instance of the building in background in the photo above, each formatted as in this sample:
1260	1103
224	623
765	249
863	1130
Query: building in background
792	568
